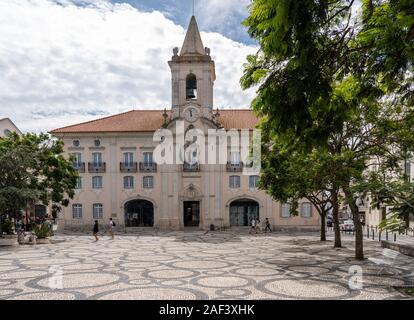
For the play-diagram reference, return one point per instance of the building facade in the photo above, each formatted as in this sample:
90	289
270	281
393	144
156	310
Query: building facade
7	126
122	177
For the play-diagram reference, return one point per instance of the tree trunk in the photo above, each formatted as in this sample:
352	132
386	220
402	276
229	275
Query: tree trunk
323	226
335	216
359	237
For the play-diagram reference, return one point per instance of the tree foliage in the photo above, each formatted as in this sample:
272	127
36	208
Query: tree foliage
334	84
33	169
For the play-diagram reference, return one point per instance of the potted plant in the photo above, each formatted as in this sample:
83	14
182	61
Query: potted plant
42	232
7	236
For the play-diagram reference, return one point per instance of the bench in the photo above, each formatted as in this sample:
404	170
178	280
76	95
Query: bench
388	259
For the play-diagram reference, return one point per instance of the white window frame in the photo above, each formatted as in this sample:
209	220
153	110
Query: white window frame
78	159
255	180
235	158
128	158
146	184
129	182
97	210
232	182
95	185
285	210
78	183
148	158
97	159
77	211
308	212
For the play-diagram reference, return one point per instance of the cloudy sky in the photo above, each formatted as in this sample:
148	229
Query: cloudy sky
67	61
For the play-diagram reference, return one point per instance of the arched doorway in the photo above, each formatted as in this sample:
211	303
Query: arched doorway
242	211
139	213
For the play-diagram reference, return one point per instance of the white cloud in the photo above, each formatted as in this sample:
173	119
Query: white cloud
218	11
61	63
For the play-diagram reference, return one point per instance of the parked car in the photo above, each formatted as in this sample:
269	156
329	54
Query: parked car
348	225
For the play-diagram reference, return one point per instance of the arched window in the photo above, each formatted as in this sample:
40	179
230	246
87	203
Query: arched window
191	87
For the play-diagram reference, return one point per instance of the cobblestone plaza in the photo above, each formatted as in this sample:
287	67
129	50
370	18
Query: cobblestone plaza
197	265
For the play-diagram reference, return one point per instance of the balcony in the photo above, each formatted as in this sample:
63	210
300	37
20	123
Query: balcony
188	167
234	167
79	166
147	167
97	167
126	167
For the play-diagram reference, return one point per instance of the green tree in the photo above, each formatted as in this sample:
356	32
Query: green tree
290	174
303	48
333	78
33	169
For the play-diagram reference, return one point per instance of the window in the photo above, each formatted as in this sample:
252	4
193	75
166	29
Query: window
128	182
77	159
148	182
147	159
253	181
306	210
97	159
191	87
235	158
77	211
7	132
97	182
194	157
286	210
76	143
79	183
128	159
234	182
97	211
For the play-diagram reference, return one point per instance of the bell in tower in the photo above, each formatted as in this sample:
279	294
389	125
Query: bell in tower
191	87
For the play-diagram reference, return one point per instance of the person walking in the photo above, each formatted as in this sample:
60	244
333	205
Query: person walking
111	228
267	225
257	225
96	230
253	224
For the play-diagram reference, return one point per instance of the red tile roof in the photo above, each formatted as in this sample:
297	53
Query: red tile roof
151	120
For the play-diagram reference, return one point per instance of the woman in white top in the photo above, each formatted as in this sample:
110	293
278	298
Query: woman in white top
253	224
111	228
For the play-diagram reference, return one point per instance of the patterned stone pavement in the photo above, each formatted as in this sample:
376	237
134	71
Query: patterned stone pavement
195	265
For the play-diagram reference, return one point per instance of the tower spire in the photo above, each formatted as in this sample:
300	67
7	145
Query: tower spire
192	42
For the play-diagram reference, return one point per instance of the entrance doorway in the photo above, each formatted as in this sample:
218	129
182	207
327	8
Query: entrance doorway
191	213
243	211
40	212
139	213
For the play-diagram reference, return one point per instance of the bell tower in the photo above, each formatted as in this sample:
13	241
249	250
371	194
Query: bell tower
193	75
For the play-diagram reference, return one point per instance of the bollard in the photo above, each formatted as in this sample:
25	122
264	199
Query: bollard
373	235
379	236
367	233
395	237
386	235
